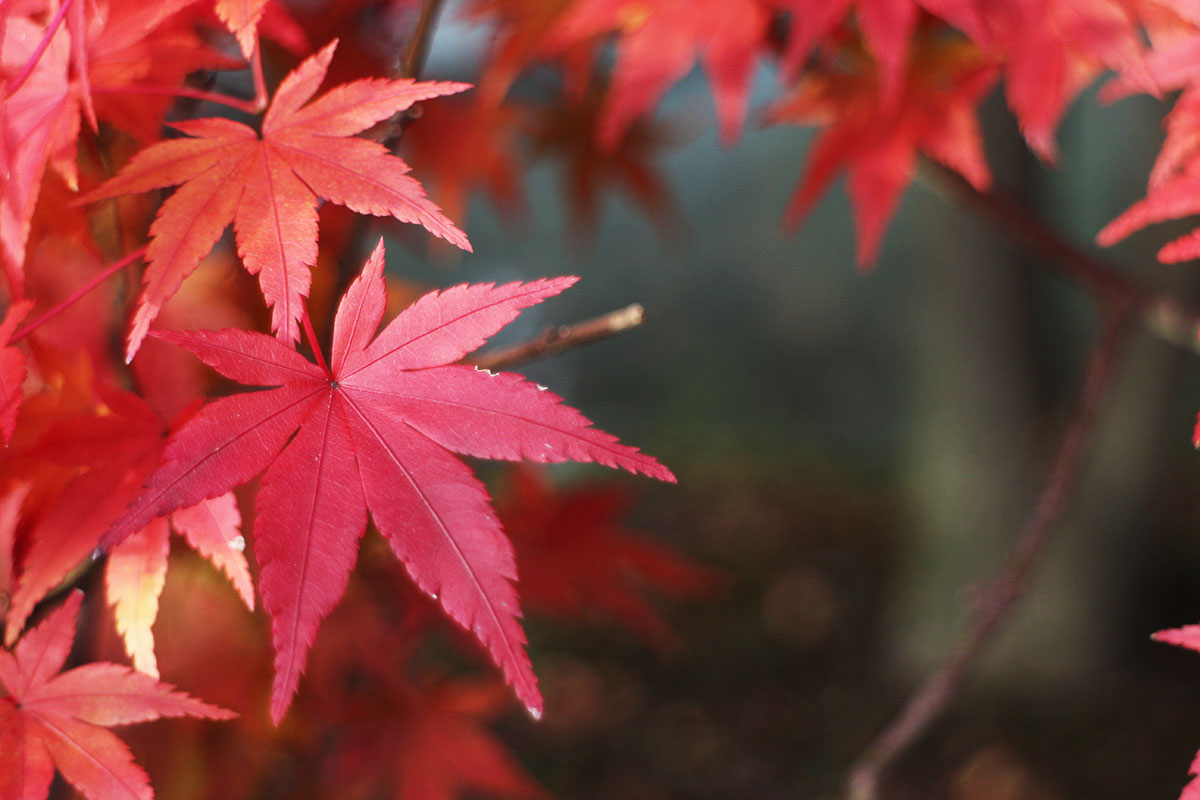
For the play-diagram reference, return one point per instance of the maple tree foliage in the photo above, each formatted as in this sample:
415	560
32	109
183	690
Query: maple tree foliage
114	153
374	425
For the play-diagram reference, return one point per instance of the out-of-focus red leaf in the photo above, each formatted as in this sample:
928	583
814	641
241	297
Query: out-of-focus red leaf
565	132
659	41
577	560
468	145
887	26
12	369
878	146
52	719
1052	49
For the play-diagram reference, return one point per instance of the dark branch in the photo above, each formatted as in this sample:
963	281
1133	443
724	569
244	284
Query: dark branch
1000	596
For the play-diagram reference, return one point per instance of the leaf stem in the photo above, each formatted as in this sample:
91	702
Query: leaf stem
43	45
312	340
260	85
557	338
73	297
1000	595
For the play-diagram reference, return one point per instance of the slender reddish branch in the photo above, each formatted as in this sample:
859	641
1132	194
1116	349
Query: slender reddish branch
999	598
1162	314
557	338
32	63
73	297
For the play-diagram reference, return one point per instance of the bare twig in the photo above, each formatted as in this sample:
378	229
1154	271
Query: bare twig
999	598
557	338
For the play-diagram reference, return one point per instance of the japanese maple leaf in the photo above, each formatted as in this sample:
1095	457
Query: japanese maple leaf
137	569
436	746
268	186
877	144
1052	49
12	369
659	42
51	719
1175	176
886	25
10	512
114	448
37	129
242	18
1188	636
577	558
374	430
105	49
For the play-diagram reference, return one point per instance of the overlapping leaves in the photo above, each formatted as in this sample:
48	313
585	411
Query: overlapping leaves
374	430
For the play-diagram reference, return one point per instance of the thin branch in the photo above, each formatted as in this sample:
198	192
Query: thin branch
1165	316
999	599
558	338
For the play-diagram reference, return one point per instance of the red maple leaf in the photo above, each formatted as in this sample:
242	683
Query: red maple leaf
105	49
58	719
577	559
877	144
242	18
886	26
1052	49
10	512
1188	636
113	447
659	42
12	369
435	746
268	187
375	431
1175	177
